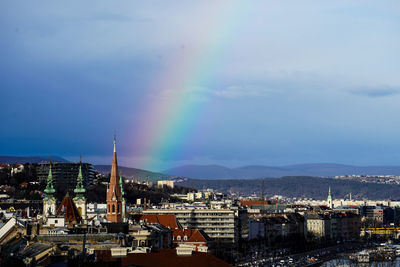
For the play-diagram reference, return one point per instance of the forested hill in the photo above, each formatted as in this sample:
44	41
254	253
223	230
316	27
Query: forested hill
300	186
30	159
133	173
254	171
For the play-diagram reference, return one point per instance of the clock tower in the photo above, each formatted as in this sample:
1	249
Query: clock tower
80	199
49	201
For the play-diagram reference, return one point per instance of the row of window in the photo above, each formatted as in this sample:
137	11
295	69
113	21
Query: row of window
179	238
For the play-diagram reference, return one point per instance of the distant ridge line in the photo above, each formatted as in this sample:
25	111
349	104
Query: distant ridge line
30	159
133	173
261	171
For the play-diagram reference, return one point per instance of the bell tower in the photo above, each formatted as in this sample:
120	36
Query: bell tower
80	199
114	194
49	201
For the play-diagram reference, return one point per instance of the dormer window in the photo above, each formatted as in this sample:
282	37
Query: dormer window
178	238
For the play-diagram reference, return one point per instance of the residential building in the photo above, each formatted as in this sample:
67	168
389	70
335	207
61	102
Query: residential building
318	225
168	183
219	223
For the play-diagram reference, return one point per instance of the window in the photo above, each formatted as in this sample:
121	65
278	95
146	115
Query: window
118	208
178	238
109	210
185	238
55	221
113	208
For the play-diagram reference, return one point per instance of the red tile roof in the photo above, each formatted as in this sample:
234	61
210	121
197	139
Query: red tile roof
68	208
164	258
249	203
192	235
167	220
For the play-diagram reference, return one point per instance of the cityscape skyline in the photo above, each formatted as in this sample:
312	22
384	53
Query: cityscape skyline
254	84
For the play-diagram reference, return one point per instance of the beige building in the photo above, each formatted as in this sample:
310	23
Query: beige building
219	223
168	183
334	225
318	225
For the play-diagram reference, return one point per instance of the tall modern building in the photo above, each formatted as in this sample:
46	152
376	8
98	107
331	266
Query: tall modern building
65	173
114	193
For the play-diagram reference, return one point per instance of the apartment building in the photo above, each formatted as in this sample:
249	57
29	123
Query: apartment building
319	225
218	223
334	225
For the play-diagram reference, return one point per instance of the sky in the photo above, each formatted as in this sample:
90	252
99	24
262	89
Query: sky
232	83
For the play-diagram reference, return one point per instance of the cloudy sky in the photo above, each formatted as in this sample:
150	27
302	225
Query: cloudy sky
201	82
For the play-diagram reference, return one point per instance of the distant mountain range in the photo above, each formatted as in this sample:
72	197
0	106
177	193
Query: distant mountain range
30	159
220	172
299	186
252	172
133	173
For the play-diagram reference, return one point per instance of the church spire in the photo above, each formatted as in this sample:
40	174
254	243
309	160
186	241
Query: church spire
50	187
329	200
115	144
49	201
114	194
80	189
114	167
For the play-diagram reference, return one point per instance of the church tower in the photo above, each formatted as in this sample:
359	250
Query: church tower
80	199
114	194
329	200
49	202
121	184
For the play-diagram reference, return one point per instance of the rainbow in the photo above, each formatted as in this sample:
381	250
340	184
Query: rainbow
169	120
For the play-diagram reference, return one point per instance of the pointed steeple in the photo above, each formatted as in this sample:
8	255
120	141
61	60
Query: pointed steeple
114	166
50	187
115	144
114	194
80	189
329	194
329	200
